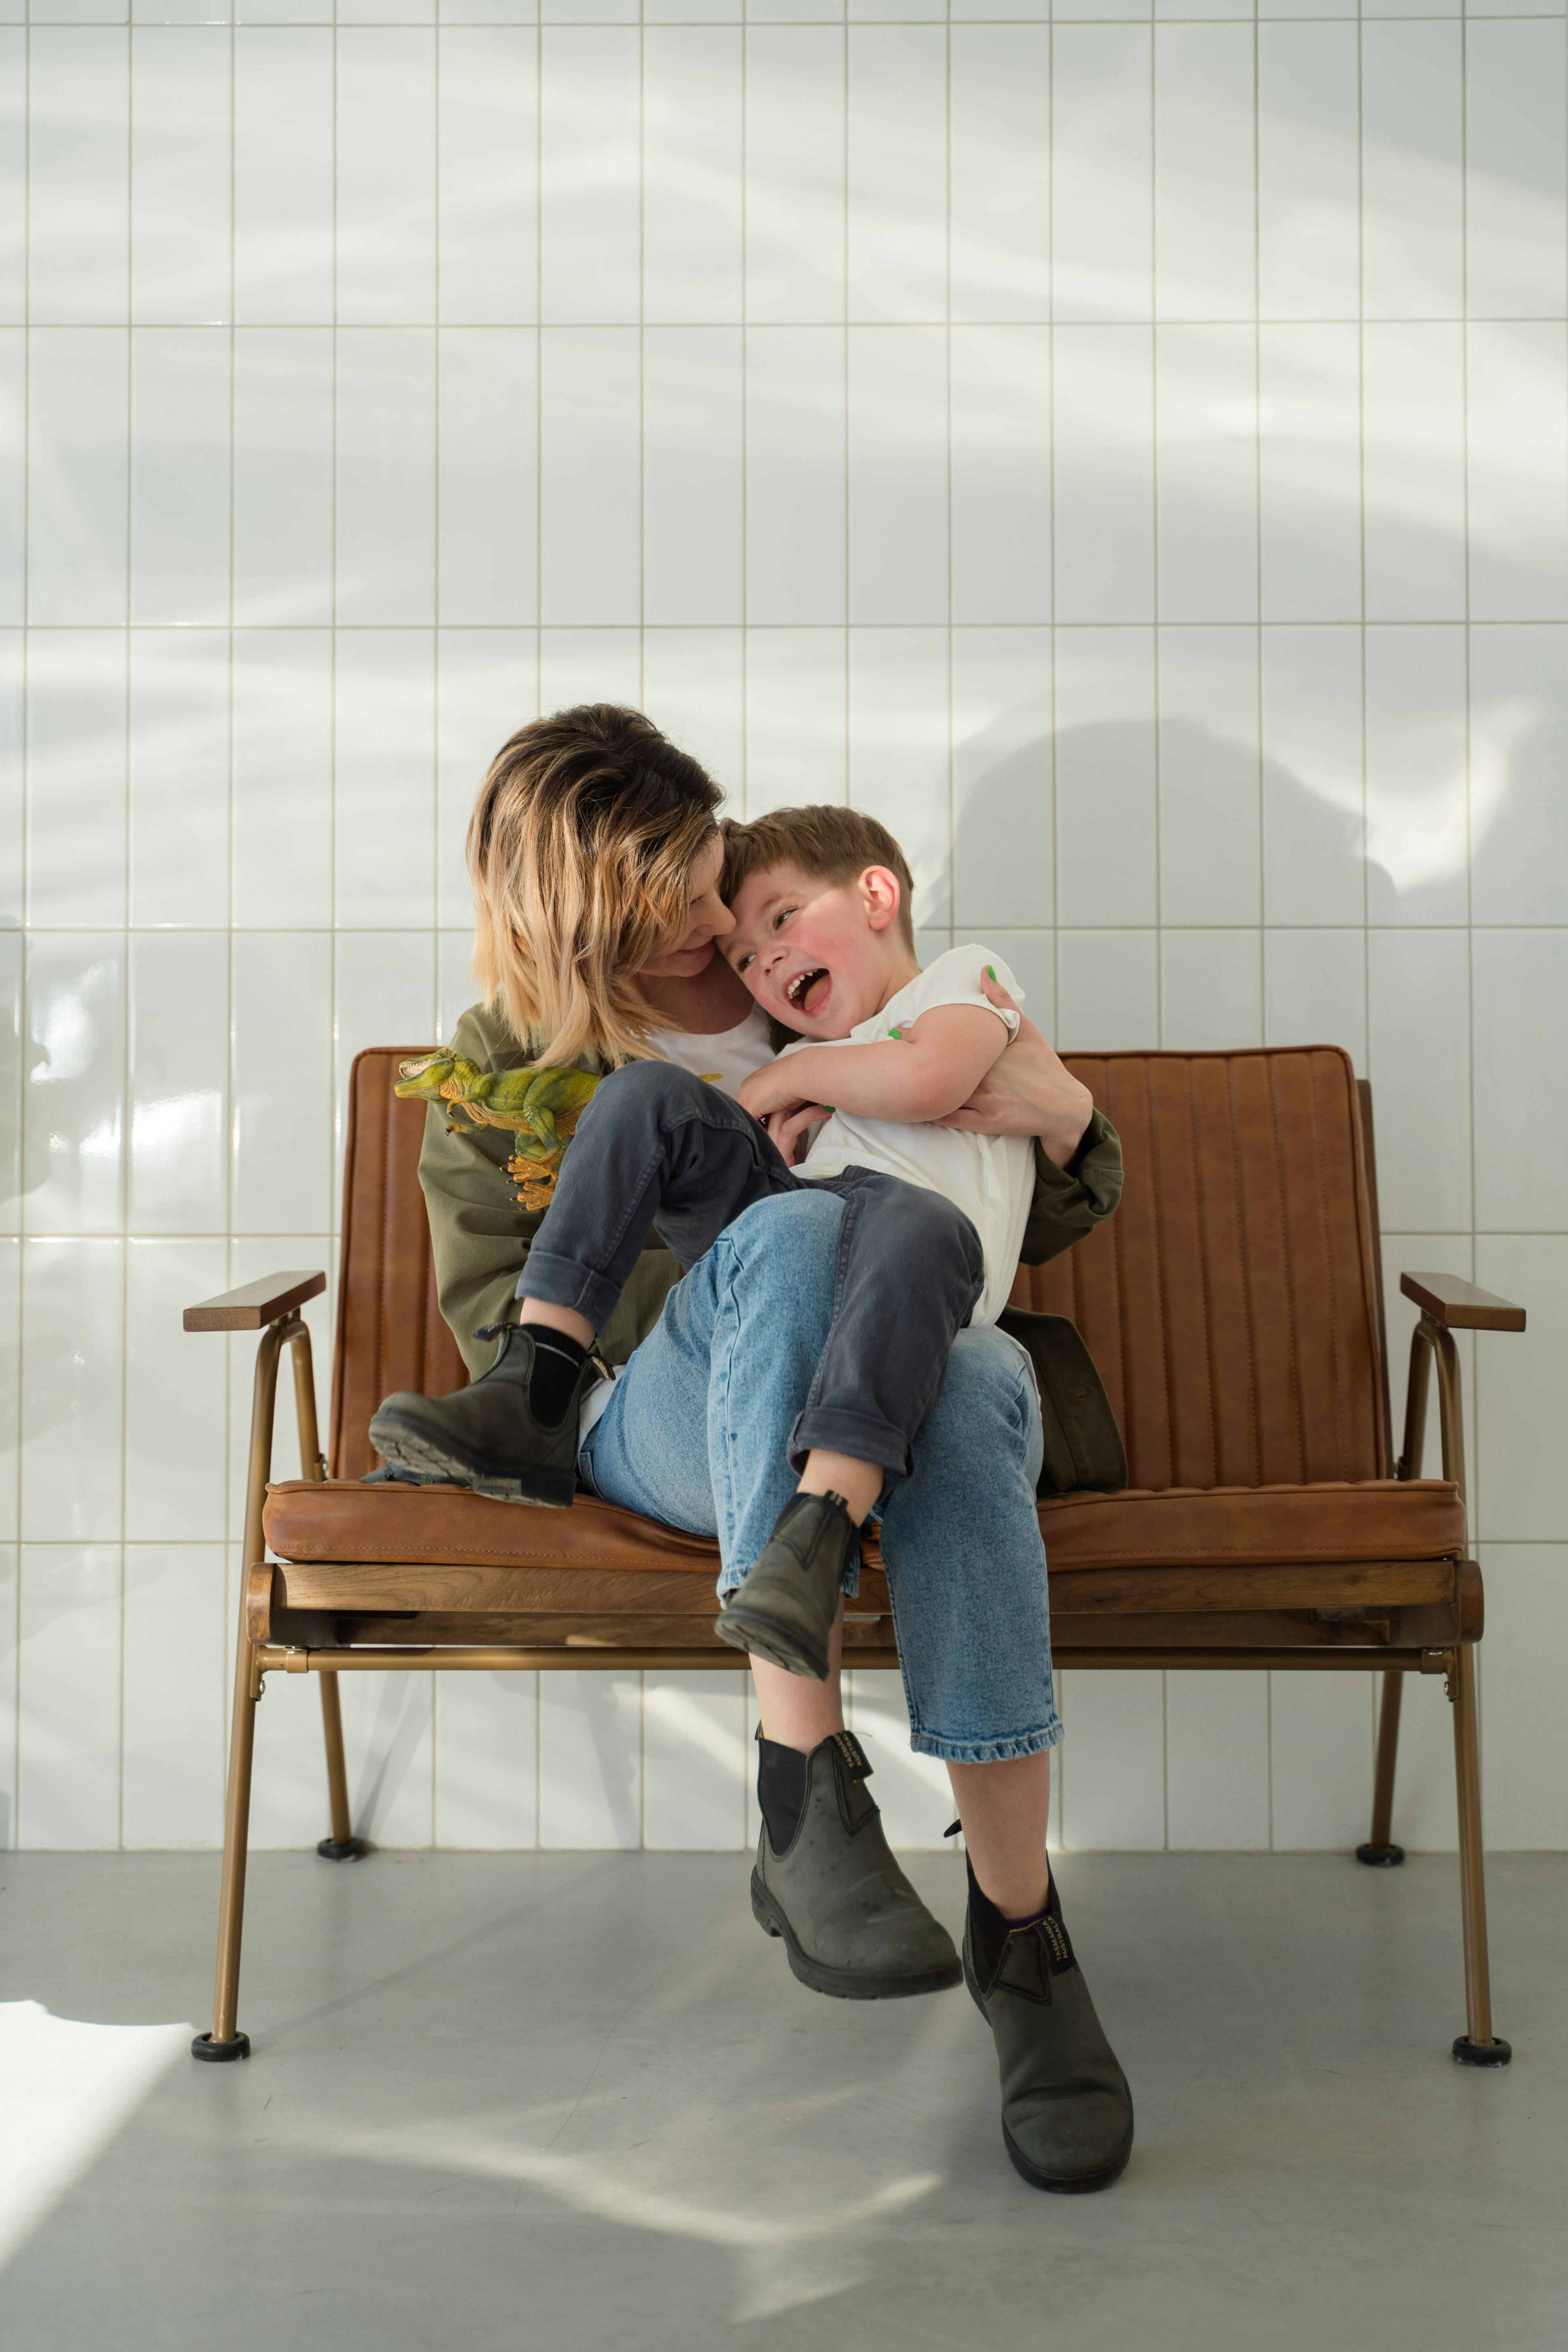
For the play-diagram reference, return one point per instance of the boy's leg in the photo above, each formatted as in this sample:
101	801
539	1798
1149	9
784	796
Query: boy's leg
909	1274
655	1146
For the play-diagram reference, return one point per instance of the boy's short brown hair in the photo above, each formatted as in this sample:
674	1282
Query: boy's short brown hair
825	842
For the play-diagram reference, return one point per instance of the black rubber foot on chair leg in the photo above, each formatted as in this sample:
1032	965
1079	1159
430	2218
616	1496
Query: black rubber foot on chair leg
343	1849
1482	2053
1380	1857
218	2053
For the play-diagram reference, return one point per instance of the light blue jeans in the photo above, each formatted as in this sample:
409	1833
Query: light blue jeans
696	1434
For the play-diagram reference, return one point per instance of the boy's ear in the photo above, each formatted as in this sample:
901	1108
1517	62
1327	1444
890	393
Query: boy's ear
882	894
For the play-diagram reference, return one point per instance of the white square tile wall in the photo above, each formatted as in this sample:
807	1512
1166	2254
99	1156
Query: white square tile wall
1127	452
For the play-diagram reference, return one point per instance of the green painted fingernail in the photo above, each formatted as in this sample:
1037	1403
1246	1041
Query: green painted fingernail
894	1033
991	973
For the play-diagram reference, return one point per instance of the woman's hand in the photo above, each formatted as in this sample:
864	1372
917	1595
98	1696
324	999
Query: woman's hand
1028	1091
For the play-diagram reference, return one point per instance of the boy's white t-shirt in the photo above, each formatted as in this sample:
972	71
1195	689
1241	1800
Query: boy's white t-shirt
990	1177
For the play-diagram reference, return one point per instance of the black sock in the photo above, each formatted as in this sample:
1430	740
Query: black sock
781	1791
557	1361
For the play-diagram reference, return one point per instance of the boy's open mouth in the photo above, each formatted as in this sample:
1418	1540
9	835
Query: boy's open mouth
807	991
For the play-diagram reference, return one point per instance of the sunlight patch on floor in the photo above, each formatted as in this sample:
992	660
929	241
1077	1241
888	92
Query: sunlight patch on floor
66	2088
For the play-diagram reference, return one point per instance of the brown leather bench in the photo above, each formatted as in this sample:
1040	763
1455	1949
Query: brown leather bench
1235	1308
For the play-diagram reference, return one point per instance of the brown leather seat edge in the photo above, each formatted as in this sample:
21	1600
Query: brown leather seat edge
1375	1519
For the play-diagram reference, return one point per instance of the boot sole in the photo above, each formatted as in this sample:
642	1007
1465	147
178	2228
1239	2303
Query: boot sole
1056	2184
760	1637
1072	2184
844	1984
411	1448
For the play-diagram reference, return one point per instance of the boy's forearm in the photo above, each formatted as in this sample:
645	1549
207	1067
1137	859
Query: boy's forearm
890	1080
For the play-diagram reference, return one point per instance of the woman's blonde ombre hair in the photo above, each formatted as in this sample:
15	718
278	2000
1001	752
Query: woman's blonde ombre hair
581	848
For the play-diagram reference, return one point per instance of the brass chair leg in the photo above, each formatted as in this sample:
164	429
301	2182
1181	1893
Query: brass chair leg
1379	1851
1478	2045
343	1845
226	2041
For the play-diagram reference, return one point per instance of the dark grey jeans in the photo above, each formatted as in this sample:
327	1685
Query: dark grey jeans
658	1147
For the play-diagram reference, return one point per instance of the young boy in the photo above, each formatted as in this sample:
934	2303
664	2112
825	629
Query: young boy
934	1217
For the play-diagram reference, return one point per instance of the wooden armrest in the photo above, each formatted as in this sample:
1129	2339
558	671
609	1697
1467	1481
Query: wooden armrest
255	1304
1459	1305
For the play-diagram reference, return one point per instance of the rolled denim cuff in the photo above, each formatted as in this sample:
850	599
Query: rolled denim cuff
864	1436
988	1751
563	1282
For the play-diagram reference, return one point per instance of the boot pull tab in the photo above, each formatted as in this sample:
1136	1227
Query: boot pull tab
1056	1944
856	1761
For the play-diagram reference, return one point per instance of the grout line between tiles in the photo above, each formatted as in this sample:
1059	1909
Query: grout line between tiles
226	1377
843	331
24	974
1476	1509
127	983
952	877
1108	319
642	659
435	683
53	629
1361	492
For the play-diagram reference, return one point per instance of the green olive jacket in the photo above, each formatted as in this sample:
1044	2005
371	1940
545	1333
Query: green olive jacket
481	1235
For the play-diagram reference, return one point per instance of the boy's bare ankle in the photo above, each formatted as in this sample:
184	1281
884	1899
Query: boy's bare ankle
859	1483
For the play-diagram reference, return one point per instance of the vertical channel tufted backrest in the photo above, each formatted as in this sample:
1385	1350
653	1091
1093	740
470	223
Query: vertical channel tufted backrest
390	1331
1230	1304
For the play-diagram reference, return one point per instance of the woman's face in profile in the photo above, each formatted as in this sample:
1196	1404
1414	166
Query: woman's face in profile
706	918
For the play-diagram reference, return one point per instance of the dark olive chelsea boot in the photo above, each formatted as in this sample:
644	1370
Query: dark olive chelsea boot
1066	2112
784	1610
487	1436
852	1925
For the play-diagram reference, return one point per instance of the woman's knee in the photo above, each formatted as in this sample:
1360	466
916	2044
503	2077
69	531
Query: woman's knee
987	1399
784	1255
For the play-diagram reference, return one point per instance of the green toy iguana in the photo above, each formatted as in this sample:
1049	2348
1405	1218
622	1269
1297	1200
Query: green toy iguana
540	1106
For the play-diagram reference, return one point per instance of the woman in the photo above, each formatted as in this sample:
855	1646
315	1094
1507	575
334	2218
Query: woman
596	860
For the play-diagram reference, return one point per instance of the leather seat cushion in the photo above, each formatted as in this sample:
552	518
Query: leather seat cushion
1379	1518
1192	1527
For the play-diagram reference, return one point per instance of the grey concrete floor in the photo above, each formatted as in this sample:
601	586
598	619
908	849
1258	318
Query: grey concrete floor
576	2100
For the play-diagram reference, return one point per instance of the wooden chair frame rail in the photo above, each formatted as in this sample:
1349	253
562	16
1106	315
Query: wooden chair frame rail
1390	1618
